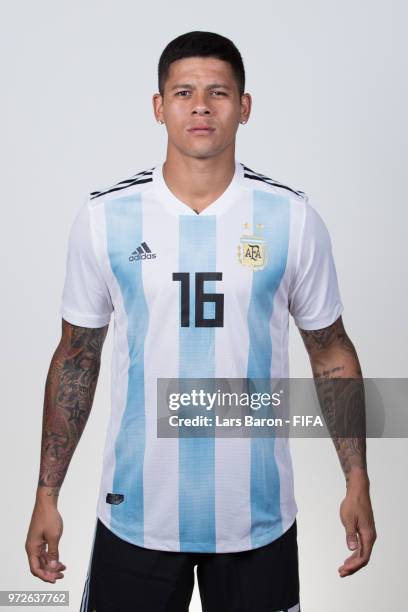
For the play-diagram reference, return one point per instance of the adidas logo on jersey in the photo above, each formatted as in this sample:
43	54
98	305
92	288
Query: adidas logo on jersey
142	252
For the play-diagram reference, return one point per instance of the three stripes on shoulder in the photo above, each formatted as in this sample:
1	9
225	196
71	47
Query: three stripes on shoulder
137	179
250	174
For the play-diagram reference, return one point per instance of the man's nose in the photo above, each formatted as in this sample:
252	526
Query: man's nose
200	106
200	110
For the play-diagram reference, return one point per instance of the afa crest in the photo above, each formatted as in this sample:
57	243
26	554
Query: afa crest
252	249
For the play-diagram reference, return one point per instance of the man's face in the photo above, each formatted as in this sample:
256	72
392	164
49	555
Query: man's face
201	106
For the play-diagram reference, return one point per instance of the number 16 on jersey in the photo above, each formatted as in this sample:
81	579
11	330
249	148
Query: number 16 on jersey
200	299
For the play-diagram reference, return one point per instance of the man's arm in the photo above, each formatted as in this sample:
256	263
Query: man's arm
69	394
333	356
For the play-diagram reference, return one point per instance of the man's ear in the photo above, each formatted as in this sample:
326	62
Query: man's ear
157	101
246	106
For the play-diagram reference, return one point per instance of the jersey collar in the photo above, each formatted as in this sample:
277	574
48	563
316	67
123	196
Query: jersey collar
177	207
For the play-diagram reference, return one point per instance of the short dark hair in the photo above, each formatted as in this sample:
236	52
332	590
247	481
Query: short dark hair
201	44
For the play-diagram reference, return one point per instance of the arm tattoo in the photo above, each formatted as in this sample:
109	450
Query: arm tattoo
69	393
340	390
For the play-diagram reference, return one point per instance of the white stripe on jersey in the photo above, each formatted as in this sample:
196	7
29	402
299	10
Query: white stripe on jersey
161	518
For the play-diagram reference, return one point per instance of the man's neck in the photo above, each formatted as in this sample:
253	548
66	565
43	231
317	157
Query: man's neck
198	182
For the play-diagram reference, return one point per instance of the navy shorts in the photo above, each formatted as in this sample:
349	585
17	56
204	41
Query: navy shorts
123	577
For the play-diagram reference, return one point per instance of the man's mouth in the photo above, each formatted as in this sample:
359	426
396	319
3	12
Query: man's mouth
204	129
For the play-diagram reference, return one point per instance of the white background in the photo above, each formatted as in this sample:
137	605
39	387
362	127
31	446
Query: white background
329	84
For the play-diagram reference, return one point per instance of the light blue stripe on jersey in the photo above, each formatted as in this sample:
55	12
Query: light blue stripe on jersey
197	243
272	211
124	234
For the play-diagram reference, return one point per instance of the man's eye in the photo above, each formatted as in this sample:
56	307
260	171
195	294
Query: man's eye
221	93
185	91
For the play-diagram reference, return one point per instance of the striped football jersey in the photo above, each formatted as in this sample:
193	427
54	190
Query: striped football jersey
196	295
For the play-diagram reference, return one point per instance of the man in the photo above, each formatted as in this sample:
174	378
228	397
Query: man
201	260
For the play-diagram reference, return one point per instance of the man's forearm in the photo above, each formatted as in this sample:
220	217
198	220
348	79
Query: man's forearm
340	389
69	393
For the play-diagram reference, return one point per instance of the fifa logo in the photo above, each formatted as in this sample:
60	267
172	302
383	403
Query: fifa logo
252	251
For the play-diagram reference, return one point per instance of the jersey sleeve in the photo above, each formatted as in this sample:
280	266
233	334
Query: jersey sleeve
314	297
86	299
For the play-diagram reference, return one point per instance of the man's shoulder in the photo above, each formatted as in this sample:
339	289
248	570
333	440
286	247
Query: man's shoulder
134	183
261	182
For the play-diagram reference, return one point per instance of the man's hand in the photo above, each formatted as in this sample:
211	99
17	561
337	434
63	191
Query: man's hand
45	531
336	369
357	517
69	393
